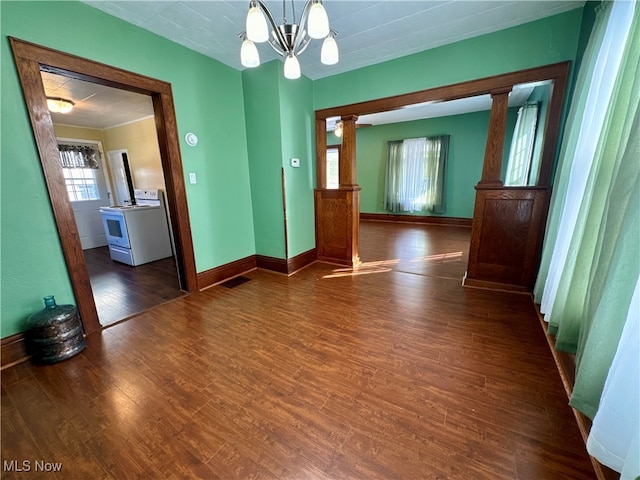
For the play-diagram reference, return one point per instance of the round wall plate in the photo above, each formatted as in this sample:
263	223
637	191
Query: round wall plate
191	139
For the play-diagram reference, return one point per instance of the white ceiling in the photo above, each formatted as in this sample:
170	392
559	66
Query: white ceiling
517	97
369	32
96	106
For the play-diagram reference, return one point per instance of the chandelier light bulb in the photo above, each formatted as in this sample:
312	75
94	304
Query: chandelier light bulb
329	53
257	30
249	54
291	67
318	23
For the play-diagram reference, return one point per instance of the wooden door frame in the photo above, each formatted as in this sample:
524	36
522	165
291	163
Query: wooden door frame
31	60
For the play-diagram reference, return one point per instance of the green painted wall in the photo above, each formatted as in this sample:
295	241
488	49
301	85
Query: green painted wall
208	101
464	167
549	40
236	206
280	126
262	114
297	135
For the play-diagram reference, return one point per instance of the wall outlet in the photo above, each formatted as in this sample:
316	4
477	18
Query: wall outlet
192	178
295	162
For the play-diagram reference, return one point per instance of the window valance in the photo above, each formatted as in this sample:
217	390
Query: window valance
79	156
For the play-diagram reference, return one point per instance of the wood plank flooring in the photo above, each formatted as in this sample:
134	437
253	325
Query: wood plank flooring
389	371
121	291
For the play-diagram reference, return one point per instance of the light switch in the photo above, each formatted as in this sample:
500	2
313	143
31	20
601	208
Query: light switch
192	178
295	162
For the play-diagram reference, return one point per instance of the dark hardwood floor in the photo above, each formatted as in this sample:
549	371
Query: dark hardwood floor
121	291
389	371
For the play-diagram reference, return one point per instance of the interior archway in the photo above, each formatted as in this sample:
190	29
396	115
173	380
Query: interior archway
337	212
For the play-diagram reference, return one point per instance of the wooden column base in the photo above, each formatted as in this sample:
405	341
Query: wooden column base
337	225
506	237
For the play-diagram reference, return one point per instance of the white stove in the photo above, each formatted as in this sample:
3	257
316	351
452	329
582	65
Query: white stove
138	233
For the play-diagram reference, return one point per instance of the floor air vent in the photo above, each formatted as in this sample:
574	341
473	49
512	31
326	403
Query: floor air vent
234	282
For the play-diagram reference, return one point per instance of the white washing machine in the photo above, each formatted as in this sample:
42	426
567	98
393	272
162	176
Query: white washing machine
139	233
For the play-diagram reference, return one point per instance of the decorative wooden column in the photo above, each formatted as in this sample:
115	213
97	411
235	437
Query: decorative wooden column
338	210
508	222
348	152
492	167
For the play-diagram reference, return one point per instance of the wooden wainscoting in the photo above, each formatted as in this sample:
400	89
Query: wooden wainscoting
506	237
337	225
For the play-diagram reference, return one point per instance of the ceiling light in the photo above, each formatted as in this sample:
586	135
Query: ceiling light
288	39
59	105
249	54
329	54
338	130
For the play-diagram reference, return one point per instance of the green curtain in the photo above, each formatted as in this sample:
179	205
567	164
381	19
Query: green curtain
393	182
615	252
569	144
594	282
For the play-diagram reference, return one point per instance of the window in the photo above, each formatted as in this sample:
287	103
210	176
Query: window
521	154
333	167
415	174
80	167
81	184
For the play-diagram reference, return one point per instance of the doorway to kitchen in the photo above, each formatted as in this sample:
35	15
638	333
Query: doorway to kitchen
31	60
108	150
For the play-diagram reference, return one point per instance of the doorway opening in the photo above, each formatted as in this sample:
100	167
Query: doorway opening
496	206
31	61
113	132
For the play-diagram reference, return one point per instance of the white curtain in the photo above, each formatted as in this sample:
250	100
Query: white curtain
601	86
415	174
521	152
615	434
414	152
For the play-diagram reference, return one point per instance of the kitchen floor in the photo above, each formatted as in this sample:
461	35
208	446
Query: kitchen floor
121	291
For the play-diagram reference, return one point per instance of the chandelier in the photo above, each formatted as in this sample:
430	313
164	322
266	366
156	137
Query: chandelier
288	39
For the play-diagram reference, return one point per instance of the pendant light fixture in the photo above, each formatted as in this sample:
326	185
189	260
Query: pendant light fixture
59	105
288	39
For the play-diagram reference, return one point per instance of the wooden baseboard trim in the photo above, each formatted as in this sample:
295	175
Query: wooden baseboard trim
272	263
302	260
565	362
217	275
290	266
502	287
423	219
13	350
